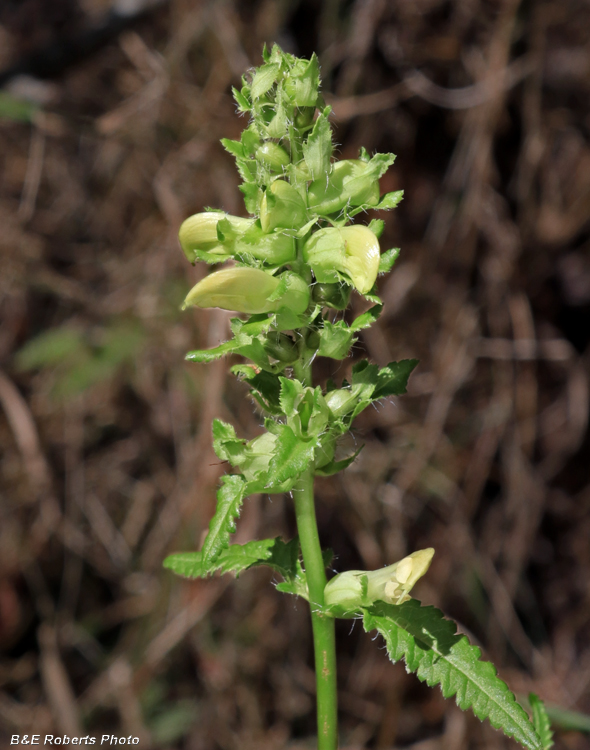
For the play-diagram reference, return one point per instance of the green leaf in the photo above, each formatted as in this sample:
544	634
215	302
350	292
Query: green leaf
335	466
229	501
366	319
266	387
541	721
387	259
335	340
574	721
291	391
235	148
252	196
305	84
431	648
377	226
317	150
364	373
389	201
241	100
238	557
264	79
292	456
210	355
393	379
226	444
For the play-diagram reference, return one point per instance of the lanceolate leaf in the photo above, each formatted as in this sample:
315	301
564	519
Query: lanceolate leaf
366	319
264	79
280	556
431	648
389	200
387	259
317	150
229	501
210	355
541	721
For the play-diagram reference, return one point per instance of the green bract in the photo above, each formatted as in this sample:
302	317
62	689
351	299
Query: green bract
350	252
350	183
283	207
275	249
271	154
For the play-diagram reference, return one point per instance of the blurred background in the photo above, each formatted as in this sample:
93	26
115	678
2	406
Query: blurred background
110	119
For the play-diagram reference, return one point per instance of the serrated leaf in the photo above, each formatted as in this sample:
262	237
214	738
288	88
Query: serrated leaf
226	444
280	556
241	100
252	196
246	169
335	466
229	501
210	355
389	201
306	84
365	373
291	390
335	340
430	647
264	79
541	721
264	384
292	456
393	378
387	259
254	326
235	148
317	150
377	226
246	346
366	319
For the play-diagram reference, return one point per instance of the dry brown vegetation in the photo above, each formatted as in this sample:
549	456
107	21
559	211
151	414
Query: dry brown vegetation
105	434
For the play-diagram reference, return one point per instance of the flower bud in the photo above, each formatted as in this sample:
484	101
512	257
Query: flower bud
274	156
304	117
347	592
341	401
280	346
249	290
348	184
351	251
335	296
282	207
199	233
294	293
275	249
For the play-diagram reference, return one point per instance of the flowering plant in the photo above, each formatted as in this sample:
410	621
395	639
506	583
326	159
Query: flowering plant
295	260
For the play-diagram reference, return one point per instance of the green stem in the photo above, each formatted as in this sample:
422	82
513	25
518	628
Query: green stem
323	627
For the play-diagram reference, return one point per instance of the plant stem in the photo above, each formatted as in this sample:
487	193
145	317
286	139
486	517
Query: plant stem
323	627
